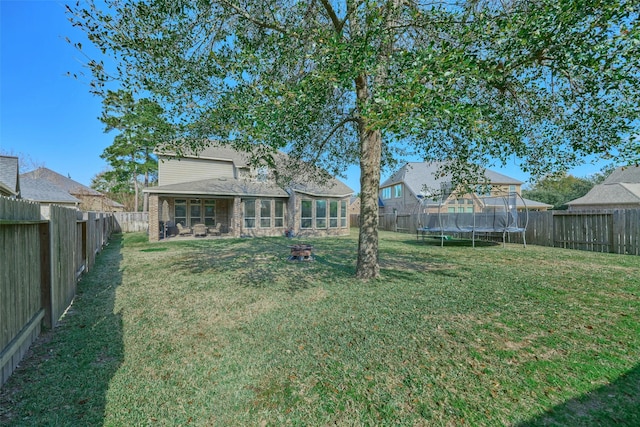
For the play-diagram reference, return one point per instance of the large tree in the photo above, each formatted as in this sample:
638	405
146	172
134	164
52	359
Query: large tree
141	127
339	82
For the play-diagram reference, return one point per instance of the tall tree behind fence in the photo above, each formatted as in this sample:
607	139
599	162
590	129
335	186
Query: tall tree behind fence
40	263
613	231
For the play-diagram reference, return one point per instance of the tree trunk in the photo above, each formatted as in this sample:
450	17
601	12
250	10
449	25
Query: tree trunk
145	196
370	155
370	152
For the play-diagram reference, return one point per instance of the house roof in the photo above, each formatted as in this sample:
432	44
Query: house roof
628	174
221	187
418	175
610	194
44	191
622	187
61	181
330	186
9	176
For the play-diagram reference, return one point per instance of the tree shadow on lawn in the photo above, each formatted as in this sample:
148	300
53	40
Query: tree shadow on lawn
65	376
264	262
616	404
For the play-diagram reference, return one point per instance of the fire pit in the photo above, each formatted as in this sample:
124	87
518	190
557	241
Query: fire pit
301	252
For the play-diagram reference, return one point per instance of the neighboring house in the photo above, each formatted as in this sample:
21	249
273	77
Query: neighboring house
409	188
46	193
9	177
89	199
621	190
218	186
354	205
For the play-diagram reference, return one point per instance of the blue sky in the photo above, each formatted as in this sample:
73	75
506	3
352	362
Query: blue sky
52	118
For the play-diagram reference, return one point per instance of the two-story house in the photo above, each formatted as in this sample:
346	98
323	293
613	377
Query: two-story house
409	188
219	186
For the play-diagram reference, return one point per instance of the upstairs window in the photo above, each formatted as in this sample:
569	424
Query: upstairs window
397	191
386	193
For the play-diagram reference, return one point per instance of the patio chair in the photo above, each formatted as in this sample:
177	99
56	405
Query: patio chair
199	230
182	230
217	230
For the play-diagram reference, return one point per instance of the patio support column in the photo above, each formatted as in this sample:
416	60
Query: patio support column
236	217
154	218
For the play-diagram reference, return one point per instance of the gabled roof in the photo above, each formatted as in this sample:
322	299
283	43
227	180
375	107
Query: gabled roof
9	175
610	194
61	181
622	187
44	191
418	175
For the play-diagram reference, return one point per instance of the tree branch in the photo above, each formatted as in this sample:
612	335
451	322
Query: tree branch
335	128
246	15
337	24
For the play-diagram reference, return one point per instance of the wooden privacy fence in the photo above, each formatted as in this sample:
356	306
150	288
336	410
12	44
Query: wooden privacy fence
614	231
40	263
131	222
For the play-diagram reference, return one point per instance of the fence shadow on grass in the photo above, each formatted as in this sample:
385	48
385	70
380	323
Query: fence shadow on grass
615	404
65	377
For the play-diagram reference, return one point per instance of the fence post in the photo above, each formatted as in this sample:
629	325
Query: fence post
45	273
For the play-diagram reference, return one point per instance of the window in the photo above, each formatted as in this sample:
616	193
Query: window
343	213
469	209
386	193
451	210
262	173
483	190
397	190
333	213
194	212
512	188
265	214
321	214
279	217
210	213
307	214
461	209
180	211
249	214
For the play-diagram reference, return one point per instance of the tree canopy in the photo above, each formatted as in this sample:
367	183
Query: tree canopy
340	82
141	127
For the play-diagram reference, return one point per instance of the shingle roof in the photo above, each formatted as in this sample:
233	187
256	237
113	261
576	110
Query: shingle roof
418	175
44	191
629	174
622	187
222	187
67	184
610	194
9	174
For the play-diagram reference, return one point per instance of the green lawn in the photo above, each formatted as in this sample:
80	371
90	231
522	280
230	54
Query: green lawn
228	333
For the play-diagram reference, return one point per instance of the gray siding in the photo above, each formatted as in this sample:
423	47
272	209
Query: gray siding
174	171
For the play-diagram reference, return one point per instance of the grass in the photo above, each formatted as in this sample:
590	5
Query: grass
227	332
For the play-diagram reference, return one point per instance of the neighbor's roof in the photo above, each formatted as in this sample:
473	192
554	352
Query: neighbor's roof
628	174
418	175
610	194
61	181
44	191
9	180
622	187
221	187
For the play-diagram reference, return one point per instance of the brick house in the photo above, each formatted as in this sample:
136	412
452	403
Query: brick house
219	186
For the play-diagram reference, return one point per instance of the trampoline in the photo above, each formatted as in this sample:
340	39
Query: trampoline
472	213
